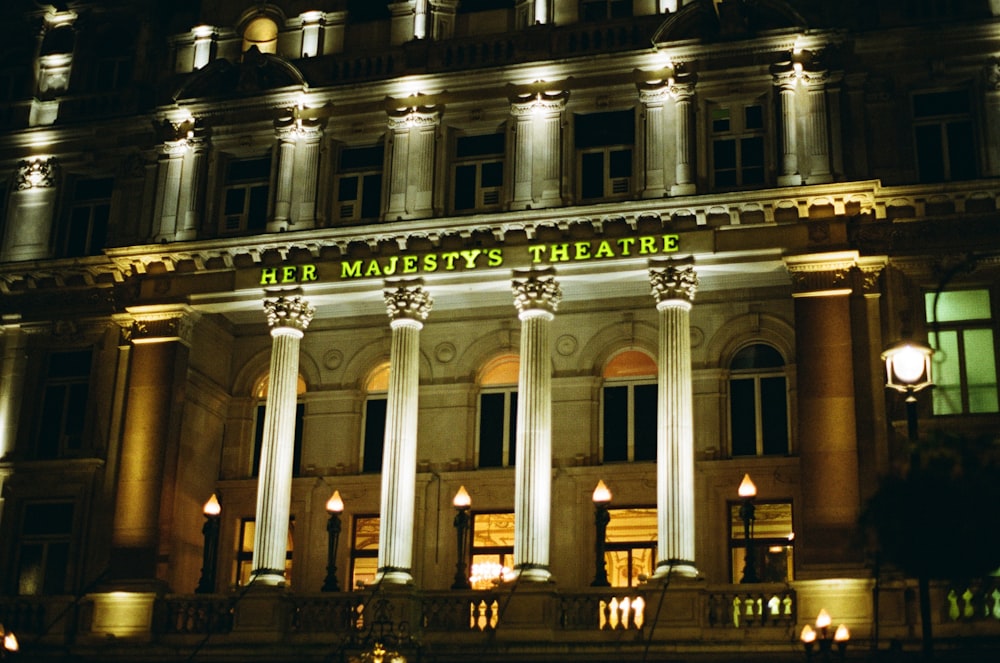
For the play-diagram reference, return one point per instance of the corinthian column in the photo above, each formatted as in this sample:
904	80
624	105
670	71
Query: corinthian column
288	318
536	296
674	283
408	305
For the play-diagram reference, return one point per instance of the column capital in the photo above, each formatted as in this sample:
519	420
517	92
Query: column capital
407	300
158	326
414	116
292	312
653	92
821	274
785	74
992	74
536	289
673	280
546	102
37	173
870	269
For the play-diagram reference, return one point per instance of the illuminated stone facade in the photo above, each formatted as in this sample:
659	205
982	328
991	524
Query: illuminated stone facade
797	184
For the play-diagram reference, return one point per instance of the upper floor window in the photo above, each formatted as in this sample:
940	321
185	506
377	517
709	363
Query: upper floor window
630	546
498	412
85	228
374	423
478	181
365	532
260	391
43	548
965	366
246	192
261	32
604	146
737	136
944	137
629	407
771	543
359	183
599	10
64	404
758	402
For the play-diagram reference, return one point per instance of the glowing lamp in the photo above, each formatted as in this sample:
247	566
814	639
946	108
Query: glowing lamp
747	488
335	504
212	507
462	500
601	493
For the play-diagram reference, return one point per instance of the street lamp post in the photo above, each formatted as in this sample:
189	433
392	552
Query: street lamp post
8	643
334	506
747	492
908	370
462	503
826	640
601	497
210	551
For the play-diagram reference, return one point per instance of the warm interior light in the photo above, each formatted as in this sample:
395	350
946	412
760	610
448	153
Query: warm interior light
842	634
908	364
212	507
335	504
747	487
462	499
601	493
808	634
823	619
10	642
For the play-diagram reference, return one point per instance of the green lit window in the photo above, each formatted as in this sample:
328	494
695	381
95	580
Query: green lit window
964	363
772	540
630	546
364	550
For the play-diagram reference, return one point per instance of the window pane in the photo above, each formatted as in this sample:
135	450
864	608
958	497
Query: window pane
235	200
491	429
465	187
940	103
621	163
744	420
257	214
592	175
603	129
375	409
774	415
981	370
371	202
492	174
644	422
70	364
615	424
720	120
357	158
753	117
348	188
930	153
961	151
477	146
29	570
752	157
245	170
954	305
48	519
512	429
947	390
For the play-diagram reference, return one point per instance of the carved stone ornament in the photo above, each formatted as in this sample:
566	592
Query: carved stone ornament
993	74
538	102
414	116
407	301
673	280
36	174
831	275
161	327
536	290
292	312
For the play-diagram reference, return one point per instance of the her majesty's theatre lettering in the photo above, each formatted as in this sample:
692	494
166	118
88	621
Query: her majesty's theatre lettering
471	259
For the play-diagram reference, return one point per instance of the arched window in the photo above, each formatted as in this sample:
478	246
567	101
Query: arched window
758	402
628	421
261	32
373	437
498	412
260	392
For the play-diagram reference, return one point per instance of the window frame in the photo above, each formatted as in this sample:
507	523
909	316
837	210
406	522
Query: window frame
944	121
762	544
738	132
63	566
630	546
366	174
244	551
504	554
484	198
508	435
81	414
758	375
588	144
97	221
632	415
357	553
248	185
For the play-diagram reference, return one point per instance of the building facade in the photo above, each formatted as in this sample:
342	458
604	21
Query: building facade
338	263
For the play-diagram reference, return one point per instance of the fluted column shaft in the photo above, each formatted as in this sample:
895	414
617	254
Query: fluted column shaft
288	318
408	304
653	97
12	372
537	148
536	296
283	182
788	172
683	93
817	134
674	284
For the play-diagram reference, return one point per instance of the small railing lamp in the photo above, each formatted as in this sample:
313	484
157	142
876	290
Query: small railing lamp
8	643
210	552
463	505
821	634
908	370
334	507
602	498
747	492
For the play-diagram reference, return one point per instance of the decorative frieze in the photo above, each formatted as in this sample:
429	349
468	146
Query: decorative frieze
38	173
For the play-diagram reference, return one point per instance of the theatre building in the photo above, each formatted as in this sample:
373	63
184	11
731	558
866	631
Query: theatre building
504	330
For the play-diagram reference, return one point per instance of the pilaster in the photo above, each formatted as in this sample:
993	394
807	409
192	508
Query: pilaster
413	135
28	231
538	120
785	76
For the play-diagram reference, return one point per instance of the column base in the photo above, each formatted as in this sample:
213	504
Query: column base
789	180
676	569
533	573
268	578
688	189
393	576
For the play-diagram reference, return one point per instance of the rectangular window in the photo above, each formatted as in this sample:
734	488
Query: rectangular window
374	436
244	554
43	548
629	423
64	404
258	438
478	180
771	541
245	197
364	550
497	428
604	145
737	135
492	549
359	183
964	362
84	231
944	136
758	415
630	546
